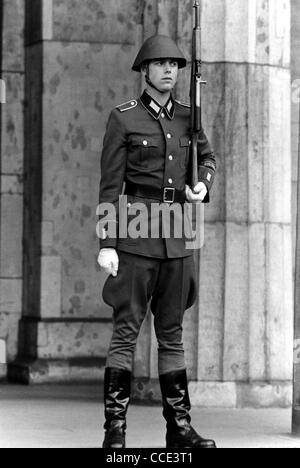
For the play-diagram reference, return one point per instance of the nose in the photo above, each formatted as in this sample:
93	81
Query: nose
168	68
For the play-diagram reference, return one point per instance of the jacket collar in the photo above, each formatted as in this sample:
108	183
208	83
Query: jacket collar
155	109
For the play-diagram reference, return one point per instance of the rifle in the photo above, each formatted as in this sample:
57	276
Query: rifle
195	94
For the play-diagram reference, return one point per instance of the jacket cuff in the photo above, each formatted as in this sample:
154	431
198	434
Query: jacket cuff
108	243
108	239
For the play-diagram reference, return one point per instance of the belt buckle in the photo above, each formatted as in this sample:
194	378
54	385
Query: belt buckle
169	195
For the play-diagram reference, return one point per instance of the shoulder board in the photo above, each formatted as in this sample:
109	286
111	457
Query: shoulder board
184	104
127	105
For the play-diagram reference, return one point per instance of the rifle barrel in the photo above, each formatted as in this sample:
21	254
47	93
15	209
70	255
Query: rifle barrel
197	15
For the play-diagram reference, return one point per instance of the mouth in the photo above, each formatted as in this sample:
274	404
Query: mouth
167	79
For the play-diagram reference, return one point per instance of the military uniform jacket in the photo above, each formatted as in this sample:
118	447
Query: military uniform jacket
149	146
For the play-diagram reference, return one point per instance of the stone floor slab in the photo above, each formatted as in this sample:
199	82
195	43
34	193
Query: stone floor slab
72	417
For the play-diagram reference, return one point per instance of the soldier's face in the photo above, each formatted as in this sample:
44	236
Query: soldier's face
163	74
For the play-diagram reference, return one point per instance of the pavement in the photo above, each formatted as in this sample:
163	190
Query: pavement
72	417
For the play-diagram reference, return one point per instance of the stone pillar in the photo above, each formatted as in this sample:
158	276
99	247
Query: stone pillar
245	321
76	54
11	169
295	80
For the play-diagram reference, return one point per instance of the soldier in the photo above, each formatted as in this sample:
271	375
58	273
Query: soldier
146	146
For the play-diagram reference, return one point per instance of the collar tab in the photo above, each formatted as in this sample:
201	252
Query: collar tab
155	109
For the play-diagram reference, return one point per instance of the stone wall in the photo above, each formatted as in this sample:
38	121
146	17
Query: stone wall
11	169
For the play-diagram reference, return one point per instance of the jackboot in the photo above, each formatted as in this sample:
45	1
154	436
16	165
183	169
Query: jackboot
176	411
117	388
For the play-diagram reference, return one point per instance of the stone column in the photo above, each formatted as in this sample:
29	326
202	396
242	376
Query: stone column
11	185
245	307
76	54
295	80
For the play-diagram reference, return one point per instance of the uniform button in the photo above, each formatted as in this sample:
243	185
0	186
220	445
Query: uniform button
145	143
132	103
162	116
170	181
171	157
169	136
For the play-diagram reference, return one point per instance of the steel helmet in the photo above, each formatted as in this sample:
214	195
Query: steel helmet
159	47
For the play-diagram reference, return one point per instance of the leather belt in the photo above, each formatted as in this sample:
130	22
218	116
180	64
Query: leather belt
163	195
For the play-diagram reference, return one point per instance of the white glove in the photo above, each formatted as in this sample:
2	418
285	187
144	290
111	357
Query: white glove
200	192
109	261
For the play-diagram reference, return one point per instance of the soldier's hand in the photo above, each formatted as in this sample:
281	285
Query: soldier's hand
200	192
108	260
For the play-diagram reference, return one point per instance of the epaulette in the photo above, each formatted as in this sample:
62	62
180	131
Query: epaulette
184	104
127	105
